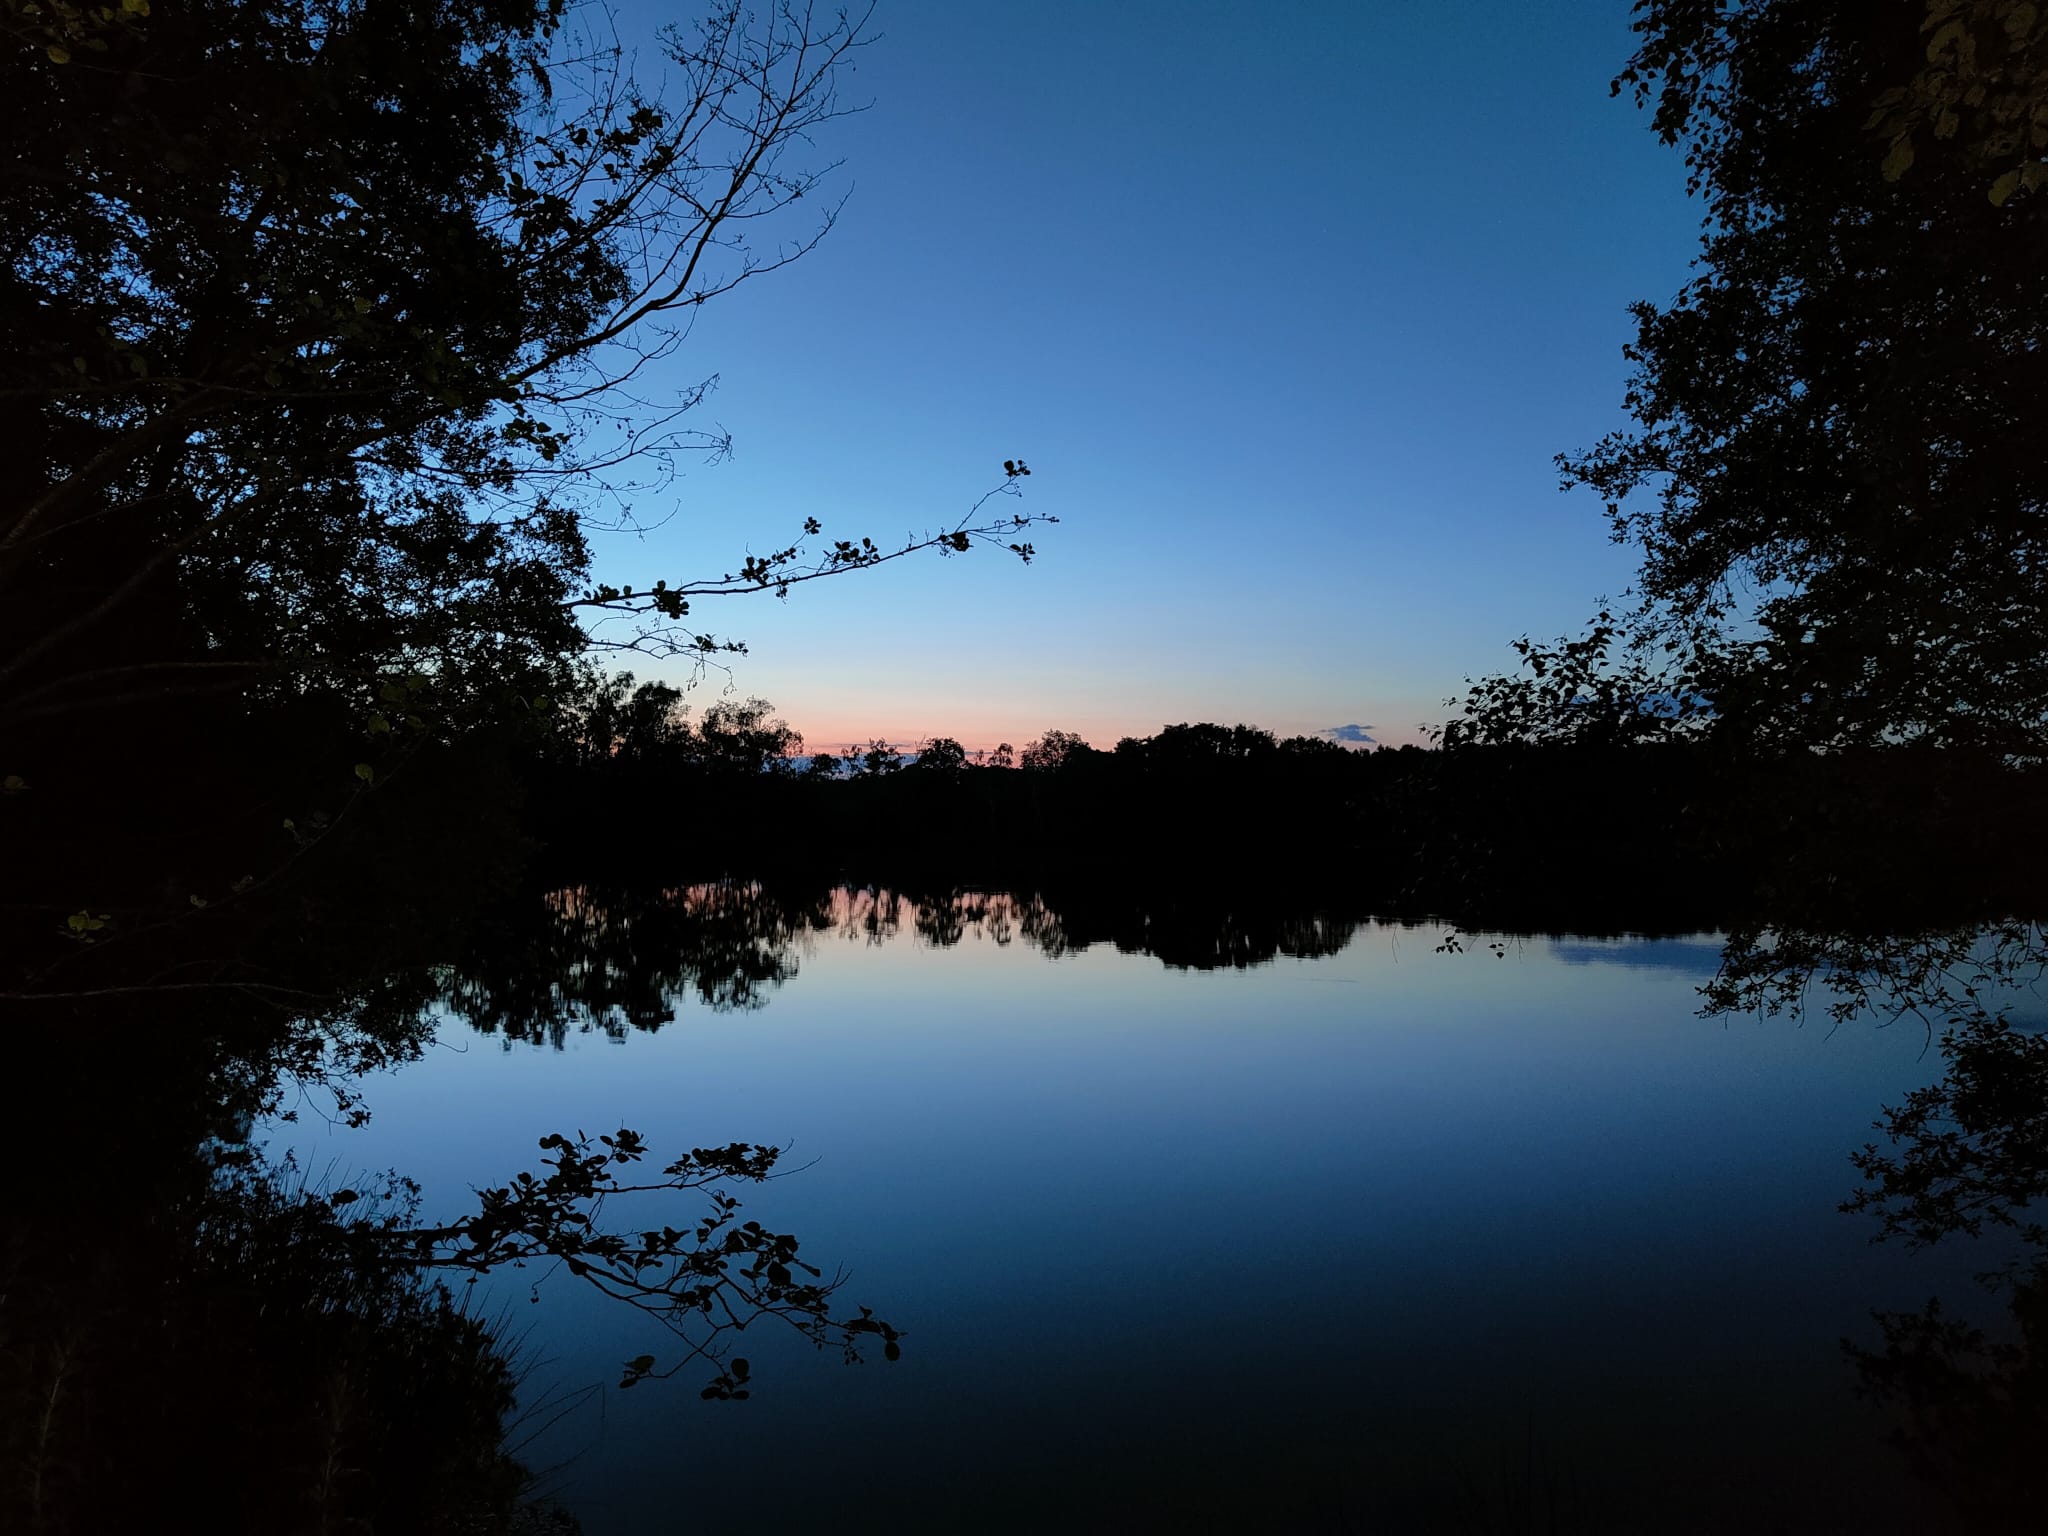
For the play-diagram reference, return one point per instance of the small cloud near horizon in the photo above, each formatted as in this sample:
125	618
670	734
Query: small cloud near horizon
1351	733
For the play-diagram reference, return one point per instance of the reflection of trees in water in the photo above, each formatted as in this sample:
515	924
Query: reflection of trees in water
246	1353
876	914
1968	1157
187	1325
1965	1157
326	1311
1945	976
619	959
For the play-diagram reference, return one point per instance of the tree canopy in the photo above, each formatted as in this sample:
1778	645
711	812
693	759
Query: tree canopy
1833	473
328	324
332	335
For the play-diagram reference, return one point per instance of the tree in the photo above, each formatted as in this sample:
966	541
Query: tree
747	738
942	755
328	319
878	759
1984	87
610	719
1834	475
1051	751
1201	746
327	331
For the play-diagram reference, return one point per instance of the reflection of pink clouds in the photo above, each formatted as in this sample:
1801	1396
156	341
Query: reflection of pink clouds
860	914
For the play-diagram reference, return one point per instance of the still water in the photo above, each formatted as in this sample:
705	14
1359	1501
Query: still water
1325	1231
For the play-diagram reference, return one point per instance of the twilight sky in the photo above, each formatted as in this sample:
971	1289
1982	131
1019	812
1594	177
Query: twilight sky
1287	305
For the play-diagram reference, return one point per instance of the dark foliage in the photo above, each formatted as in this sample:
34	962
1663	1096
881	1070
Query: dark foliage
1832	475
320	336
1497	831
188	1337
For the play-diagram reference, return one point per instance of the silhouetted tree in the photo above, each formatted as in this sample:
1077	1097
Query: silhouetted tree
610	718
1595	690
878	759
1839	413
748	738
1051	751
324	322
1187	745
942	755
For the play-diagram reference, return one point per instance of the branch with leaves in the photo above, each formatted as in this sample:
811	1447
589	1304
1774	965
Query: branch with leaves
707	1282
655	613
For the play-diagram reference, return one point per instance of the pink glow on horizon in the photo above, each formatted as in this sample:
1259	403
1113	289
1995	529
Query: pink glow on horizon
1103	738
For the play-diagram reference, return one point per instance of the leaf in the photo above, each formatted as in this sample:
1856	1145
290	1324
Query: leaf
58	53
365	772
1949	33
1899	160
2004	187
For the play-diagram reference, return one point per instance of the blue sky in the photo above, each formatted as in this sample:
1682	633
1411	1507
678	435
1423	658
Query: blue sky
1288	306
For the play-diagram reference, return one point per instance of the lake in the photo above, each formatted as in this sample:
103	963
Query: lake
1316	1227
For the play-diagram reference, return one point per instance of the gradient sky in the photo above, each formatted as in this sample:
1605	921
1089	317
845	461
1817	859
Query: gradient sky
1287	305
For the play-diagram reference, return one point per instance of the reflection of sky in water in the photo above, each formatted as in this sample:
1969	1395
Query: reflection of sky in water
1696	957
1340	1228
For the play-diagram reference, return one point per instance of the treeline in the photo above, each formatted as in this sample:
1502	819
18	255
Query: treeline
1656	832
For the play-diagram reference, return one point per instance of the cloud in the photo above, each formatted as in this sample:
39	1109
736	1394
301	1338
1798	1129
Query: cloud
1352	733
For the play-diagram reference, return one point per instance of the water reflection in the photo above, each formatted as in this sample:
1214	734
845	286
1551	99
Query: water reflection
621	959
1698	957
618	959
1100	1232
1963	1394
1963	1159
